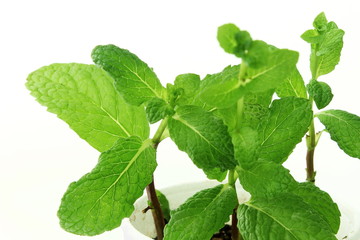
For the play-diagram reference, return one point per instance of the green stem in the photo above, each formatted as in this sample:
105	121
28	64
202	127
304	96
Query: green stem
156	210
239	112
311	144
235	233
232	178
242	72
159	132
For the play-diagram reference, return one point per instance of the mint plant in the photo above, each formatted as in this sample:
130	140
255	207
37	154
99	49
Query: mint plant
230	124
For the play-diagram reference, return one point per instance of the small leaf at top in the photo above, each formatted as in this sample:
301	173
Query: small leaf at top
134	79
190	83
99	200
226	36
204	137
311	36
258	54
321	92
232	40
157	109
344	128
326	44
84	97
320	22
202	215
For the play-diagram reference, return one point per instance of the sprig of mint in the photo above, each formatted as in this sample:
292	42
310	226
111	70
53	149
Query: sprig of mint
230	125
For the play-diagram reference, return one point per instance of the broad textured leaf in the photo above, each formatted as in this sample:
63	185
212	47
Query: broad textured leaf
102	198
344	128
203	136
256	107
266	178
157	109
134	79
202	215
320	92
280	64
321	202
84	97
283	128
246	146
190	83
284	216
293	86
222	90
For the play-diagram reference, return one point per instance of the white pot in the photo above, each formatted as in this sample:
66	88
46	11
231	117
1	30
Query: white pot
140	226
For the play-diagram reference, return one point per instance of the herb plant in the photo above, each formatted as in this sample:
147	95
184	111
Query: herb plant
227	123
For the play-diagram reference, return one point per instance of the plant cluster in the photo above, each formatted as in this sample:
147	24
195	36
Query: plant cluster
230	125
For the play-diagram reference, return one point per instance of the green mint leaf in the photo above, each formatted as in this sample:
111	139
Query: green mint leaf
320	92
202	215
157	109
226	36
134	79
327	56
232	40
84	97
246	146
258	54
228	115
285	125
283	216
344	128
190	84
256	107
320	22
321	202
279	65
192	126
311	36
221	90
266	178
99	200
326	44
293	86
164	204
216	174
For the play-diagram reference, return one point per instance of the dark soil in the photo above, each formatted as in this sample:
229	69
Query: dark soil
223	234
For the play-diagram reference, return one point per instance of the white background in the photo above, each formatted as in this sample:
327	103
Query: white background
40	155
